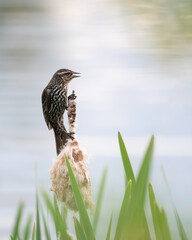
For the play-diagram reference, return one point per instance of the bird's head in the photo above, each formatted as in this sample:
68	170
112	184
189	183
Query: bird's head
67	75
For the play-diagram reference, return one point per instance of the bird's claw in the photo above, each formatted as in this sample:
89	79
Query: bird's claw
70	135
72	138
72	96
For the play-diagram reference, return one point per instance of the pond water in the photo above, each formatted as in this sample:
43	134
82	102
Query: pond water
128	84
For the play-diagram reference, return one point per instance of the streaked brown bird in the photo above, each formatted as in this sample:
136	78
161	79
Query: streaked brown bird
55	102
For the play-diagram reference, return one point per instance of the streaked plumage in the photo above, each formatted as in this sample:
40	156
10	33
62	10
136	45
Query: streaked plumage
54	103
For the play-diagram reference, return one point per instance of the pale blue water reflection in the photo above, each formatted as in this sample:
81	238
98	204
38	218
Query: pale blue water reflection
126	85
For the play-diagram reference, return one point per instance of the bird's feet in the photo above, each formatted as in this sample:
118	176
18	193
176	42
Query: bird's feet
72	96
70	135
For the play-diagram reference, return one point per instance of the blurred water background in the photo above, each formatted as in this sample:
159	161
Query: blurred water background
136	65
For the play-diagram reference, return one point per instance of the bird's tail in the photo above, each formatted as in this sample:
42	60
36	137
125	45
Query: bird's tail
61	137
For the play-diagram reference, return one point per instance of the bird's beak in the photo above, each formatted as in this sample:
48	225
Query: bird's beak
75	75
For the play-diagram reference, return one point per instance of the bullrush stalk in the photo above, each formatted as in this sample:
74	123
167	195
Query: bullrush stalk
61	184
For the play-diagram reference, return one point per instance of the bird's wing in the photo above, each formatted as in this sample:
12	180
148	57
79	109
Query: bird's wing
45	105
61	123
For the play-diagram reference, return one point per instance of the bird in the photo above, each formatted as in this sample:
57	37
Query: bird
54	104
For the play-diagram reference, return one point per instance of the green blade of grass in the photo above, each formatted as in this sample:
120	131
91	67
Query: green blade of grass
160	222
123	212
126	161
144	224
18	220
56	212
140	188
47	234
130	175
79	230
154	213
181	229
135	219
99	200
53	208
61	223
38	227
50	208
109	228
165	225
11	236
33	232
64	212
28	227
80	204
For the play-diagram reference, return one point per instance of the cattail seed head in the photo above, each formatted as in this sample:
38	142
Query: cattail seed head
61	184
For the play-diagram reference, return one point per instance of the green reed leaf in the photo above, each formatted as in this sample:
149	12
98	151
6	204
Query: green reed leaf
124	211
109	228
79	230
99	200
181	229
80	204
18	220
126	161
46	230
33	232
136	226
28	227
38	227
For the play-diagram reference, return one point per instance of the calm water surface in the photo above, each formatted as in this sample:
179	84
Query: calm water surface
126	84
